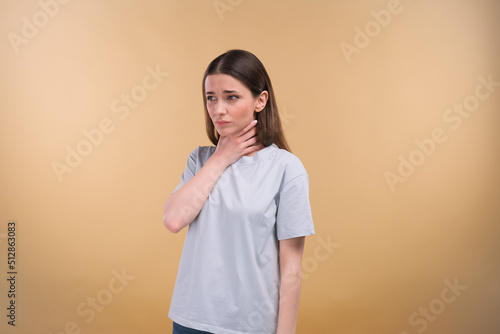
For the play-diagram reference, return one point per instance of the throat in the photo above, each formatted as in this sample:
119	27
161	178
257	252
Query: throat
253	153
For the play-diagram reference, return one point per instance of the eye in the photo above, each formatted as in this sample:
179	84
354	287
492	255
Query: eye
210	98
232	97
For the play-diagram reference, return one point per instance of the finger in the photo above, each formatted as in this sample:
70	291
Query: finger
252	132
250	141
247	128
249	133
254	144
253	148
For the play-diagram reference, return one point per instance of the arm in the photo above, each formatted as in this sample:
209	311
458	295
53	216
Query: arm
290	254
185	204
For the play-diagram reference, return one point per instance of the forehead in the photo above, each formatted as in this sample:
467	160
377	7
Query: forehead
222	82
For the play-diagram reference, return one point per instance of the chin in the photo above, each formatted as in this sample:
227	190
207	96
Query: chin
226	133
223	132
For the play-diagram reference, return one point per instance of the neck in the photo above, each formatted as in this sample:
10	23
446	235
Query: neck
253	153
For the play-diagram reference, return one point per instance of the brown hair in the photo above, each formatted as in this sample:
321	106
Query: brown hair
247	68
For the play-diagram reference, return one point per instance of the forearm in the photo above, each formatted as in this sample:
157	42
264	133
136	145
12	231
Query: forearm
185	204
289	302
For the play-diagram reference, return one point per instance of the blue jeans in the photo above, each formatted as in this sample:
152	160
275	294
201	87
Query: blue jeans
179	329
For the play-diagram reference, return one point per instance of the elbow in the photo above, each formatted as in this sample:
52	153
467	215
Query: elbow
172	225
173	219
169	221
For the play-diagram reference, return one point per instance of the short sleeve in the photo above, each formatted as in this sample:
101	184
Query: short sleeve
294	217
190	169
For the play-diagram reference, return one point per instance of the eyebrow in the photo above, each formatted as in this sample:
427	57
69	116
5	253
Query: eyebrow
225	92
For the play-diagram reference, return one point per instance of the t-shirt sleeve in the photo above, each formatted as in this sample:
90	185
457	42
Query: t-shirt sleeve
190	169
294	217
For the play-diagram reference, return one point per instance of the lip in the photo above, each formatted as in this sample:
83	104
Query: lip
221	123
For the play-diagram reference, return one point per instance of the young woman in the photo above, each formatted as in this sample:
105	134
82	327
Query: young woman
246	201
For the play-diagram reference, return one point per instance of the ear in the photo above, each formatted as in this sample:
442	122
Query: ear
261	101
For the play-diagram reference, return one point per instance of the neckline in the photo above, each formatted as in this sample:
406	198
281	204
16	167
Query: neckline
258	156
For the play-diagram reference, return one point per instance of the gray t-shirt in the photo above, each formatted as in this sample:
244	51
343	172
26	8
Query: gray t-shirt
228	278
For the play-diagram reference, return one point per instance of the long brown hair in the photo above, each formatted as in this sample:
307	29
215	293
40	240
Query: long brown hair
247	68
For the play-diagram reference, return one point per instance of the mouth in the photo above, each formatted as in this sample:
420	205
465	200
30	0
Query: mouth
221	123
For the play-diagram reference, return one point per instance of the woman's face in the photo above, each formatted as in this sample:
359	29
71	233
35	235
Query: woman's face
230	103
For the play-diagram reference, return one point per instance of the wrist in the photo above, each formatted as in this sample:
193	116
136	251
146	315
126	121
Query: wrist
217	162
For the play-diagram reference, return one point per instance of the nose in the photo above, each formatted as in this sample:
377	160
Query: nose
220	108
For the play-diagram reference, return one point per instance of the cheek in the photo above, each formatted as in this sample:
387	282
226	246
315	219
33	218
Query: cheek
246	110
210	109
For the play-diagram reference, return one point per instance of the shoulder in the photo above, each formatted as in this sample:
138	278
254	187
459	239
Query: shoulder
201	154
290	160
290	165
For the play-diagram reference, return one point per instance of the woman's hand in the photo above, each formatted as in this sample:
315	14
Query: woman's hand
231	148
185	204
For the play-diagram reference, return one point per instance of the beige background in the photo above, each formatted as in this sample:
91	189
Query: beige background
349	119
